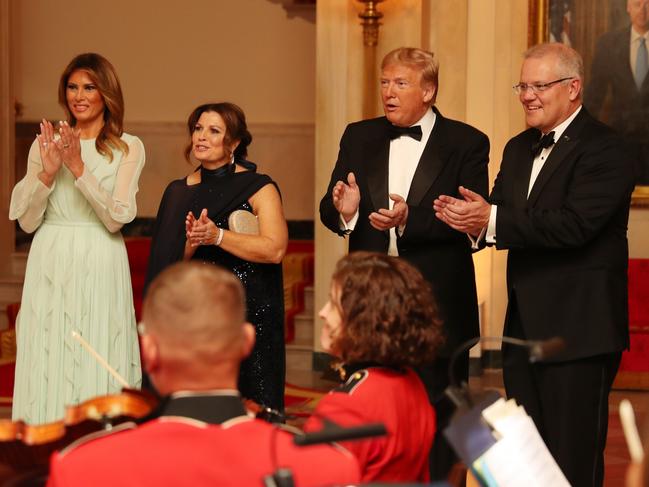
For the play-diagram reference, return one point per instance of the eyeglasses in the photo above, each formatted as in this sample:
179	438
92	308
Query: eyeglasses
537	87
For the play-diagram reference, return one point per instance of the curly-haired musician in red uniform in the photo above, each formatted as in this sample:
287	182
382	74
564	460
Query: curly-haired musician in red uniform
381	320
194	339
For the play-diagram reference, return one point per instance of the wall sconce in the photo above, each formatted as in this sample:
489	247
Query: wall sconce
370	20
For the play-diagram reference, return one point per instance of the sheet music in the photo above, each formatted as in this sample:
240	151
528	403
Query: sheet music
520	456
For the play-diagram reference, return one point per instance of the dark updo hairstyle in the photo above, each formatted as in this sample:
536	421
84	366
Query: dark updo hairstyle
104	76
235	127
389	314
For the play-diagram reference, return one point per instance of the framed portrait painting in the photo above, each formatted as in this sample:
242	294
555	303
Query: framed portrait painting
612	37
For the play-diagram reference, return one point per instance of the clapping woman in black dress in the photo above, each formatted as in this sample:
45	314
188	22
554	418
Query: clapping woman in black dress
192	223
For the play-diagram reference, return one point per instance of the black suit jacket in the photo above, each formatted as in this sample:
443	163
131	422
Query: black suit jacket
628	109
568	252
455	154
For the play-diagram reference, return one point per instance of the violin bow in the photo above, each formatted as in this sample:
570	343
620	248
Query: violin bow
77	336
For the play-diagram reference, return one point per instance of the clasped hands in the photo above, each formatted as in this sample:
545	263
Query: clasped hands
468	215
346	199
66	150
201	230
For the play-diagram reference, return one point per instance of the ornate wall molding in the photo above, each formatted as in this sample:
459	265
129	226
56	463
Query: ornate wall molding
304	9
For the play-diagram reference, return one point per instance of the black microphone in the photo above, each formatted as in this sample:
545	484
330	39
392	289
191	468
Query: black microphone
333	432
538	350
283	477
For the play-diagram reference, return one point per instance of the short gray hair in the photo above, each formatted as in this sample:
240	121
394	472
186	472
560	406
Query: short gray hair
570	64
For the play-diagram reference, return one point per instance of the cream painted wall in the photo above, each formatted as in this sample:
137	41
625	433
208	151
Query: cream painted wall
171	56
497	37
283	151
338	101
6	140
638	233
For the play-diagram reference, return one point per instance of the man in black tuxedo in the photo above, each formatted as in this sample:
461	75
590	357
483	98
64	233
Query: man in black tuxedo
560	204
619	69
389	171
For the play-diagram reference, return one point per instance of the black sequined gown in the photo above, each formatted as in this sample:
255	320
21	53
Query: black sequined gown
223	191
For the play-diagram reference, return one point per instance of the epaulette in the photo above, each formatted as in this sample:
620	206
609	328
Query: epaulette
96	435
353	382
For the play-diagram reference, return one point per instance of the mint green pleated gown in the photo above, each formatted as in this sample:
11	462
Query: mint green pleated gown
77	278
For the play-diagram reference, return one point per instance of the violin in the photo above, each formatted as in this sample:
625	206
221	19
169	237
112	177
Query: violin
25	448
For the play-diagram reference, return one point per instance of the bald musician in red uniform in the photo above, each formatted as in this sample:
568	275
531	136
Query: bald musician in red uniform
381	320
193	341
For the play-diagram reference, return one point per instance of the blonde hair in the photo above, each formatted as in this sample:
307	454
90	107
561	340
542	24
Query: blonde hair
418	58
103	74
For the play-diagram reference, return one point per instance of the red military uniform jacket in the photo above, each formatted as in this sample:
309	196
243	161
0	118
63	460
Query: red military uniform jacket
178	449
395	398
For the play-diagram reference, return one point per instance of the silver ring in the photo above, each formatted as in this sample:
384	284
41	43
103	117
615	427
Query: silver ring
200	242
65	146
44	144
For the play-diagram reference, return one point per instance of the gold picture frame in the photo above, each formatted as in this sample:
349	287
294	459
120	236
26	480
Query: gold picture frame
539	31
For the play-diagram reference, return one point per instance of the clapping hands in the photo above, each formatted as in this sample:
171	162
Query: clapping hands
70	147
51	157
201	230
385	219
346	197
66	149
468	215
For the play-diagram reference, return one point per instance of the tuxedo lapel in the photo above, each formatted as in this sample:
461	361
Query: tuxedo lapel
523	172
430	164
561	149
378	153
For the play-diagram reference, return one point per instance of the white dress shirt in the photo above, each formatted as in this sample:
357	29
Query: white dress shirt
405	153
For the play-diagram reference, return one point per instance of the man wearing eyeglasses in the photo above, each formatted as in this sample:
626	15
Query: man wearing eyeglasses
560	205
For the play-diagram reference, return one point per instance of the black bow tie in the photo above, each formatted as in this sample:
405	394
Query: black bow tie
414	132
546	141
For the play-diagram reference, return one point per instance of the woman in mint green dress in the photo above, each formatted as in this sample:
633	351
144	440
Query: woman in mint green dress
82	178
